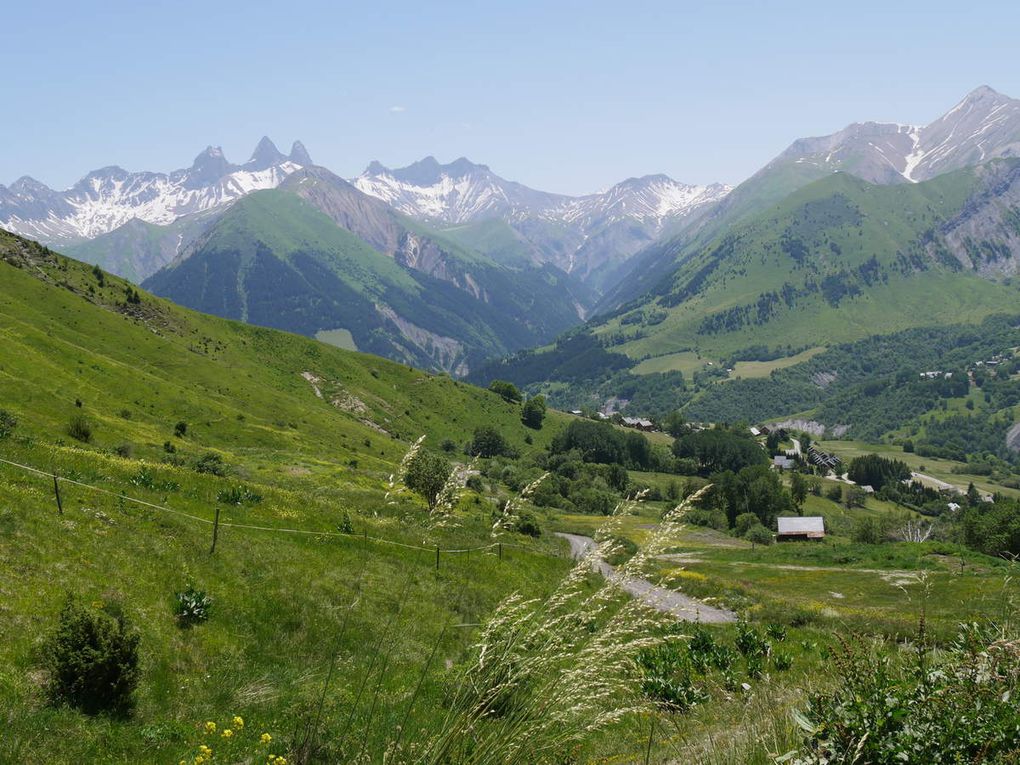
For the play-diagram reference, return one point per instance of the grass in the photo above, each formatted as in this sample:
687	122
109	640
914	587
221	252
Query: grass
753	369
317	449
341	338
949	471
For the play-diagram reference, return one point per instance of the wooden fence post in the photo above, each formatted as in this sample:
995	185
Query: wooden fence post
215	530
501	551
56	491
437	557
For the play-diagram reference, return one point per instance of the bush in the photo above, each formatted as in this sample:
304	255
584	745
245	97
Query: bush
92	658
474	483
759	535
125	450
192	606
448	445
345	526
955	705
80	429
507	390
489	442
238	495
8	422
527	524
426	476
181	429
211	463
533	412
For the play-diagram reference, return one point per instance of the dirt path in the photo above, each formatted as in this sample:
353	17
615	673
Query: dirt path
883	572
681	606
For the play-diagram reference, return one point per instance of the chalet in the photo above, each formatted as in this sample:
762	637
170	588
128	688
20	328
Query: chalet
639	423
800	528
823	459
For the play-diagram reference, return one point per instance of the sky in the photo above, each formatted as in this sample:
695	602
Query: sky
568	97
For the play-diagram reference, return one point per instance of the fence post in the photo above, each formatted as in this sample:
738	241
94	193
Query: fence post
437	557
215	530
501	551
56	491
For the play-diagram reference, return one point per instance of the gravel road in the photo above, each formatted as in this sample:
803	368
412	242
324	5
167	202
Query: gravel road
677	604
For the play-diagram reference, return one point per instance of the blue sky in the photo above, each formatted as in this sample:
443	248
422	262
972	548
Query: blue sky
564	96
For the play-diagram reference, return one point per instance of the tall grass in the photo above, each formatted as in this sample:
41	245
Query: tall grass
544	675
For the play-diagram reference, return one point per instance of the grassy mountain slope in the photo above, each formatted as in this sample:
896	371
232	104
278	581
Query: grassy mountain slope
836	261
275	260
137	367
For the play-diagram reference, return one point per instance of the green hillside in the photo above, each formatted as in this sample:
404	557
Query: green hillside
837	261
314	431
274	260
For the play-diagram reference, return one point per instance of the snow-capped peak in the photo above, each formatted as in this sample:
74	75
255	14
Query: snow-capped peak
108	198
984	125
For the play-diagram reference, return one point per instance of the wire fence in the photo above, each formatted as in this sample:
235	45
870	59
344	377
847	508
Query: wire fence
217	524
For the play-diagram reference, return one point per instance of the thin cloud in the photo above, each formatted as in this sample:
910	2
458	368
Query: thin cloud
398	109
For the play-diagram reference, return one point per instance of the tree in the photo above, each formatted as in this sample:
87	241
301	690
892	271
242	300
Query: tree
534	412
675	424
92	658
758	535
798	489
718	450
489	442
426	475
507	390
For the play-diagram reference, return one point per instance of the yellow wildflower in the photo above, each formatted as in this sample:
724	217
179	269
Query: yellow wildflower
280	761
227	733
203	749
265	738
238	722
210	727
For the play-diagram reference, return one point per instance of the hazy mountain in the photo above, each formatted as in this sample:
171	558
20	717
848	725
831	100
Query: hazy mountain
588	235
985	125
110	197
836	261
318	257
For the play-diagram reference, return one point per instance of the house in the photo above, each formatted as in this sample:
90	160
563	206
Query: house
754	431
823	459
783	462
639	423
801	528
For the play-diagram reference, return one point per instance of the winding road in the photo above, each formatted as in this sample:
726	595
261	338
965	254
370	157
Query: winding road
670	602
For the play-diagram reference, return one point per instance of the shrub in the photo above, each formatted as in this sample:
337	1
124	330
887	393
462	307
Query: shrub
79	428
489	442
955	705
125	450
192	606
527	524
8	422
345	526
448	445
533	412
211	463
782	662
92	658
238	495
750	642
474	483
426	476
506	390
181	429
668	679
759	535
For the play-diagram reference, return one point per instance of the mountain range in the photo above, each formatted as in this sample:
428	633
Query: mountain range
590	235
877	227
837	239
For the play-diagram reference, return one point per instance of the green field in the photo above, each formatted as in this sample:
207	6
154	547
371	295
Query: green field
341	338
324	578
752	369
